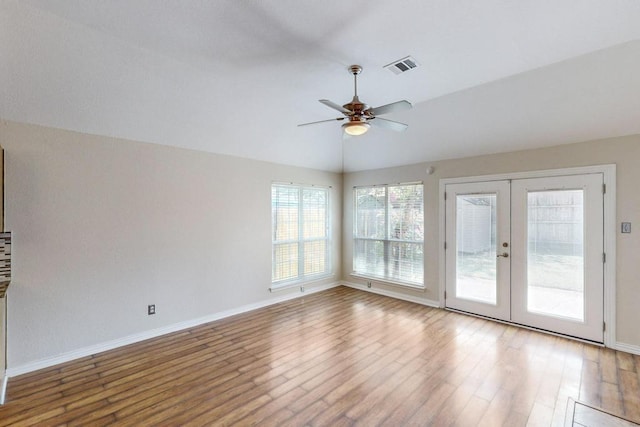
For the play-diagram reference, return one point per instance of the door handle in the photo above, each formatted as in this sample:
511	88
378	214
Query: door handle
504	254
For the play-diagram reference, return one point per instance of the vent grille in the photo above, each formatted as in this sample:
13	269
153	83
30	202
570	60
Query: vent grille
402	65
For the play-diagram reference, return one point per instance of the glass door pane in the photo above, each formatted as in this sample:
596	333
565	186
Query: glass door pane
476	248
555	256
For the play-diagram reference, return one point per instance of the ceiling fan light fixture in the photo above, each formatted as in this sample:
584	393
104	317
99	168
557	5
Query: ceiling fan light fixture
359	114
356	128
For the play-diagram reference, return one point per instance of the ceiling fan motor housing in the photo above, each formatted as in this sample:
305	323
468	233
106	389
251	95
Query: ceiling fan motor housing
356	107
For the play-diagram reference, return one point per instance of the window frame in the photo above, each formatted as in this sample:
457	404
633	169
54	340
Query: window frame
301	277
387	241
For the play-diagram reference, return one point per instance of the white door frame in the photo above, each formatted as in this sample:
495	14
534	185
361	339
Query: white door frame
610	229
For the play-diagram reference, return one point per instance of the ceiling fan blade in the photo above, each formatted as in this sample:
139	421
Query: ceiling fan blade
334	106
388	124
389	108
321	121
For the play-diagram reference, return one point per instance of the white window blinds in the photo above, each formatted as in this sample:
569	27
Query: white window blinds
300	232
389	233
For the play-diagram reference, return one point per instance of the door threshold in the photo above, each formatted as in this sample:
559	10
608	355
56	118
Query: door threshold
531	328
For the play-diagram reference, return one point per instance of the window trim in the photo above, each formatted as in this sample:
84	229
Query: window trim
386	240
301	278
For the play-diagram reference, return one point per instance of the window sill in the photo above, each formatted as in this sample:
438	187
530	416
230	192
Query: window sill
299	283
389	282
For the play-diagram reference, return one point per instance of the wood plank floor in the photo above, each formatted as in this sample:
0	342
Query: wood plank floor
339	357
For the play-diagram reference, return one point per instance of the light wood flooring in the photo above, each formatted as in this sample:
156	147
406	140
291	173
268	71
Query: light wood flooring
339	357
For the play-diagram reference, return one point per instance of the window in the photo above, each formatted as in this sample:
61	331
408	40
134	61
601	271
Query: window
300	233
389	233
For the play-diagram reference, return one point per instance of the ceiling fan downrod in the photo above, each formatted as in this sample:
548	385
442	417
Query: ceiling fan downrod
356	107
355	70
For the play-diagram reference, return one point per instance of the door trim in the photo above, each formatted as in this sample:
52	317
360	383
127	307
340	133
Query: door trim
609	176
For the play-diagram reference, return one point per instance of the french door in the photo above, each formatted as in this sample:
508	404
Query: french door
528	251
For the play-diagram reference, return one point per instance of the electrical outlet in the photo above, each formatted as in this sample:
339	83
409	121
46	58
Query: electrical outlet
151	309
626	227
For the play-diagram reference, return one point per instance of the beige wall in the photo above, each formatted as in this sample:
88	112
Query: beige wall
103	227
623	151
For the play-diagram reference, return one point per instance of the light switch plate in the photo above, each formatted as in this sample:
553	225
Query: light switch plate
626	227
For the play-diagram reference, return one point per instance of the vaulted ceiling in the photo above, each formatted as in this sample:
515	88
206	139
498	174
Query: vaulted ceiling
236	77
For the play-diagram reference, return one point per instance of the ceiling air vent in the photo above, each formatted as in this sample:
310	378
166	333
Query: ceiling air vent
402	65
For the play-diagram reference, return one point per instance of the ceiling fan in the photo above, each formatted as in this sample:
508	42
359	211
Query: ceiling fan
359	115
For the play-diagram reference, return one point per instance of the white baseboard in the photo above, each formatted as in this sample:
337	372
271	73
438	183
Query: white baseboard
110	345
391	294
627	348
3	389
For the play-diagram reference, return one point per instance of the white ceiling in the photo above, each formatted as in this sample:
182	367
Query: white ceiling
236	77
